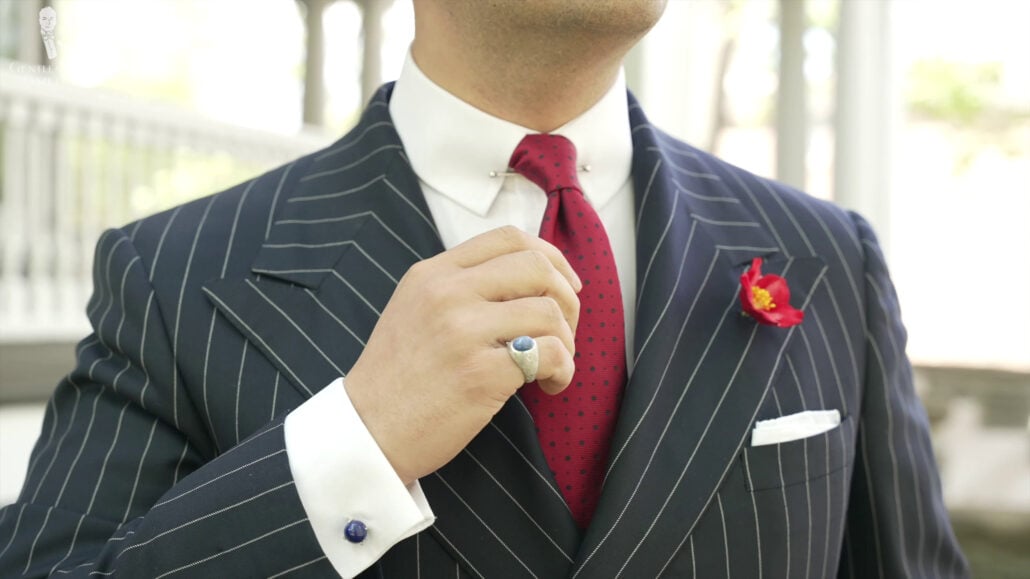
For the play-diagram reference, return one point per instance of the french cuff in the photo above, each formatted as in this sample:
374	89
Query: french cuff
346	483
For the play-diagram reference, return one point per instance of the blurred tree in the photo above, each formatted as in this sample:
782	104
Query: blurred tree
954	92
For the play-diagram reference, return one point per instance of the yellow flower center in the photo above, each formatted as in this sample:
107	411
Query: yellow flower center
763	299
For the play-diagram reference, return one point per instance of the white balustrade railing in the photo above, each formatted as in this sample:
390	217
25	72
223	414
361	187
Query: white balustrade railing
76	161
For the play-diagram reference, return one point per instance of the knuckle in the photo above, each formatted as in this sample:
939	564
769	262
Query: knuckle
453	323
572	302
553	354
512	236
559	360
435	291
538	262
553	312
568	366
417	272
564	372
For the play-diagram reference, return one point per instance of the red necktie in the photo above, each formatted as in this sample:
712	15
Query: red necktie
576	426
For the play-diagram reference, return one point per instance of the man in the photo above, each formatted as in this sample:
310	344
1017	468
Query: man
206	431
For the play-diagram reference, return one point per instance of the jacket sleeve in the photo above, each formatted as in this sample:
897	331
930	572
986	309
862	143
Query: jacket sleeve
123	482
897	525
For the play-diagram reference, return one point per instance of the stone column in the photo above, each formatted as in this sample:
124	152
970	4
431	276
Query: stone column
314	62
865	115
791	99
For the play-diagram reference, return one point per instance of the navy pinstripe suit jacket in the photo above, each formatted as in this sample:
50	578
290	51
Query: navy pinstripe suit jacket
162	452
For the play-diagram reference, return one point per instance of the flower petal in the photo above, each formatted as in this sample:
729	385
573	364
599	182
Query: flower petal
790	317
777	288
751	276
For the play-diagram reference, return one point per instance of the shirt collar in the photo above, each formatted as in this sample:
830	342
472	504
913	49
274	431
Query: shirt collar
454	146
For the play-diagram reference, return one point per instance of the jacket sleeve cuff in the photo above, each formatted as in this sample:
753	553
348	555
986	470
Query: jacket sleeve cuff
342	476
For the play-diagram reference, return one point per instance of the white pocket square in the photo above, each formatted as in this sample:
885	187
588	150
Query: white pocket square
794	427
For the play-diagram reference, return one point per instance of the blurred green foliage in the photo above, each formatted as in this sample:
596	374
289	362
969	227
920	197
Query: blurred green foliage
955	92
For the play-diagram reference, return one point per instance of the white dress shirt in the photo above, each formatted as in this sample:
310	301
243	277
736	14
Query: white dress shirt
340	472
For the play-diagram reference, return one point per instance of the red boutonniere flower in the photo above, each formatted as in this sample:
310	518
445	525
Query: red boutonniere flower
766	298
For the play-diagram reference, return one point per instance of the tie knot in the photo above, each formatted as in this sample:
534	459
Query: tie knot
549	161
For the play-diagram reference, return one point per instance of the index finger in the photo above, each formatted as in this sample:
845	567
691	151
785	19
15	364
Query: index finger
505	240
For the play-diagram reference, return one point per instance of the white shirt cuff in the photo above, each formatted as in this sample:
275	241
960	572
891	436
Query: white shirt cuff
342	475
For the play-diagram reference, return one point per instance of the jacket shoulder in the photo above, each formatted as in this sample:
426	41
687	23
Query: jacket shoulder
227	227
803	224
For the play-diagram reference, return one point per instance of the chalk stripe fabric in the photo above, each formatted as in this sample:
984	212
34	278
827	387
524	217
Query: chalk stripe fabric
162	452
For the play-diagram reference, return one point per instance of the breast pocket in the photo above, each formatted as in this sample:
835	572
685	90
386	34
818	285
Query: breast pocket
798	461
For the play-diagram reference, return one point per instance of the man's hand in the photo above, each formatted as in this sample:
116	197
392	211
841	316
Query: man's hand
436	368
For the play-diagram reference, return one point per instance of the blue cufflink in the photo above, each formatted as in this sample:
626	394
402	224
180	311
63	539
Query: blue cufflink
355	531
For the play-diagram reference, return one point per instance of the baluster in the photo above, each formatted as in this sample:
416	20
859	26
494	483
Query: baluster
71	276
40	197
115	190
138	179
13	298
180	168
91	157
156	169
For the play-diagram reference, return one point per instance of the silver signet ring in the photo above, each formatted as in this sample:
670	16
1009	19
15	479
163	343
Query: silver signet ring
526	355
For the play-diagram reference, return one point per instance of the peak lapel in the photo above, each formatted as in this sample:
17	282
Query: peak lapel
350	222
701	369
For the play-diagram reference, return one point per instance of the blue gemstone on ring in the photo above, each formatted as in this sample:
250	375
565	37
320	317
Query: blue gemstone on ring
355	531
523	344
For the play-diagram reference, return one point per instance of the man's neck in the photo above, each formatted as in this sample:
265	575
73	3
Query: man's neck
540	89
